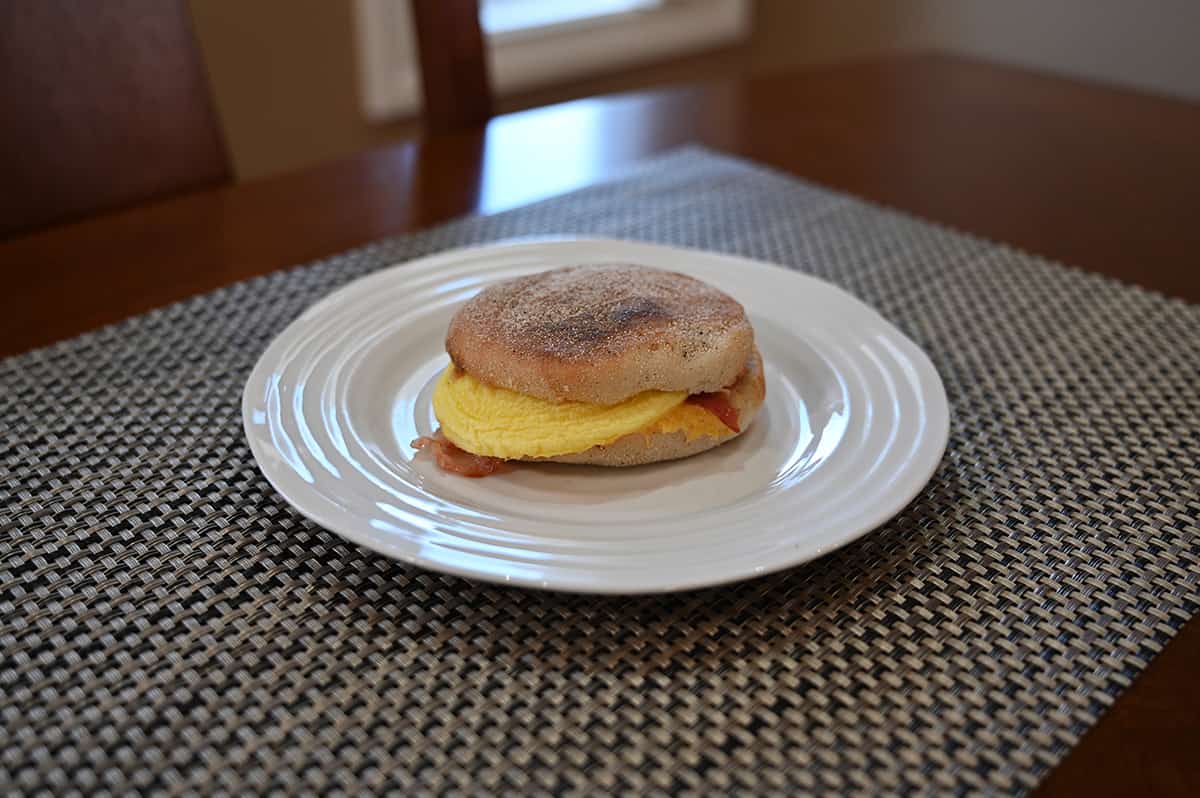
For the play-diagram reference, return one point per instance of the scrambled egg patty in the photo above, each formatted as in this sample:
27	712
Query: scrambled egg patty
487	420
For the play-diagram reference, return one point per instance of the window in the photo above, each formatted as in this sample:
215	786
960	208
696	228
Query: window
509	16
541	42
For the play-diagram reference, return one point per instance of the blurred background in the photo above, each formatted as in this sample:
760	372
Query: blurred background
297	82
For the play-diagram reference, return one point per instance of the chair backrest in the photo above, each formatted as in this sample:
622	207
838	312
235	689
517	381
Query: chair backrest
454	73
105	103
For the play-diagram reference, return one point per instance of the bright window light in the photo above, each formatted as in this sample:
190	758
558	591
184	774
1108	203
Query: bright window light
507	16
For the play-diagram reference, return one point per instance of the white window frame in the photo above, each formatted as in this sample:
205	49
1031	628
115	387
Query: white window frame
390	85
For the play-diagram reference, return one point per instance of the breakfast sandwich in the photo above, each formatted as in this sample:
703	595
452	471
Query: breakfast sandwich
611	365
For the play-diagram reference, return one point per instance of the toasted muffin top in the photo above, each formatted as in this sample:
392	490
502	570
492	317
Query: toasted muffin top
601	333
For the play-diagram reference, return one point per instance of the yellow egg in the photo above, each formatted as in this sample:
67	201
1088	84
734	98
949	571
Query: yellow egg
497	422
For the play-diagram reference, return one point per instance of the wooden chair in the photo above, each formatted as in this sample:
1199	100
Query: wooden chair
105	104
454	75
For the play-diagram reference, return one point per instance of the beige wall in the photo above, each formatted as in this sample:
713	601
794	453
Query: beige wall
284	78
790	33
1153	45
284	73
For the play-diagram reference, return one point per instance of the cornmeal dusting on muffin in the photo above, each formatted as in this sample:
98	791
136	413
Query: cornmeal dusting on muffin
601	333
568	314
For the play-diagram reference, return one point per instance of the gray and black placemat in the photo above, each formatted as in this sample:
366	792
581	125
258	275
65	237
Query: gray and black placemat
169	624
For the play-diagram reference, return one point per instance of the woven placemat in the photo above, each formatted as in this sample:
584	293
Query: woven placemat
170	624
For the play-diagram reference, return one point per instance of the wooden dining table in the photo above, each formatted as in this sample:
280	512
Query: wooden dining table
1098	177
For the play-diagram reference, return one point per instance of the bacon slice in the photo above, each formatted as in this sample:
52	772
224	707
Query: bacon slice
459	461
719	405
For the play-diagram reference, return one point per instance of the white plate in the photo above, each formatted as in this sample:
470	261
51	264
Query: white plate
854	424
